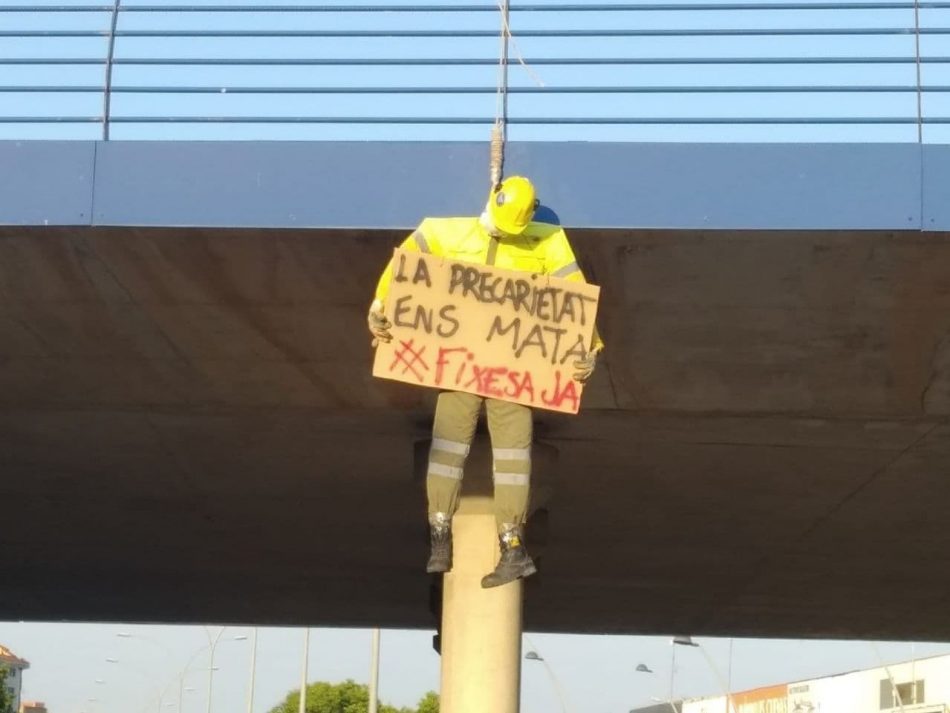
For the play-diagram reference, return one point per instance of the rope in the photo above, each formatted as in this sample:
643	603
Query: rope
499	132
497	153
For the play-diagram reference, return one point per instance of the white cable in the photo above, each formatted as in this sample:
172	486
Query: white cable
503	4
499	134
505	37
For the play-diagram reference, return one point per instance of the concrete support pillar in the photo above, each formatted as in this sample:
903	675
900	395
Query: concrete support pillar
481	628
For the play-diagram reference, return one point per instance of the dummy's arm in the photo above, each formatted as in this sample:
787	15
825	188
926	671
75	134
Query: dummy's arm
563	264
379	325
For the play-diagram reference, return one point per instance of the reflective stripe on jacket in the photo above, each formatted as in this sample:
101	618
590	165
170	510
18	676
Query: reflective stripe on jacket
543	249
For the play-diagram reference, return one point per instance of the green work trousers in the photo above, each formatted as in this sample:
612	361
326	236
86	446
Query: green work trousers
456	416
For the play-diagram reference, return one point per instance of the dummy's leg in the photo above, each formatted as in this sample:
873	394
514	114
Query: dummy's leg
510	426
456	415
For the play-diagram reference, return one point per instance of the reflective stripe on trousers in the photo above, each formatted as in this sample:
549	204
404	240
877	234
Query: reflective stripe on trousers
510	426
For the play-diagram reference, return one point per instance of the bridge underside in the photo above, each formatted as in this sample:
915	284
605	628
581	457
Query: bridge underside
189	432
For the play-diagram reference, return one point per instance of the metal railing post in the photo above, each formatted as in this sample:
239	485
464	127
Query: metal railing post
920	89
107	90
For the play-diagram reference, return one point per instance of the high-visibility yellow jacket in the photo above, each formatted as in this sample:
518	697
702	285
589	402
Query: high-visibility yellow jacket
542	249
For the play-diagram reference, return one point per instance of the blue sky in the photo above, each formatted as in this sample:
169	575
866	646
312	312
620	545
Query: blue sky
543	104
597	673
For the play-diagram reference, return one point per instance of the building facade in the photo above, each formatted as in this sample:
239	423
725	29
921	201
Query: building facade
15	667
919	686
33	707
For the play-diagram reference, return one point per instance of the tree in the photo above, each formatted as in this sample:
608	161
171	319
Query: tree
346	697
6	698
429	703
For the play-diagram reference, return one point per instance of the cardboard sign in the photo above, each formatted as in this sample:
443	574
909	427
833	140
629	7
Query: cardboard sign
502	334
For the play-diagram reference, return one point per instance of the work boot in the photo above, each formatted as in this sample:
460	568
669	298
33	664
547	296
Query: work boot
440	539
515	561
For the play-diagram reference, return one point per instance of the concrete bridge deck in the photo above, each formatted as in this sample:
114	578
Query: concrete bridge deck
189	431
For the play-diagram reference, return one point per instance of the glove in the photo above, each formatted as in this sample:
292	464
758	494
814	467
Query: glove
378	325
585	367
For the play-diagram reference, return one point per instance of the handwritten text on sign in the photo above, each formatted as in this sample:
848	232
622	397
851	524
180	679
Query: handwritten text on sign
497	333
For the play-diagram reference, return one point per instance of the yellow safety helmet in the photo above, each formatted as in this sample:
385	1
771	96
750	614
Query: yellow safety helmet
512	204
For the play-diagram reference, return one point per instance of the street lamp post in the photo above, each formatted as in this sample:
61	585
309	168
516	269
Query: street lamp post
729	674
535	656
146	676
188	670
643	668
302	706
688	641
181	678
214	645
181	690
250	688
672	676
151	642
374	673
147	639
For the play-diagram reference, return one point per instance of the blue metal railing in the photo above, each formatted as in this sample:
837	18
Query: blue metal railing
787	64
454	34
493	8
